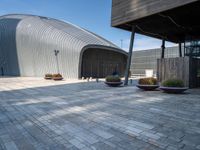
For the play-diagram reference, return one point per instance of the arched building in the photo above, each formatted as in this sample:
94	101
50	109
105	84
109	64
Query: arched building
27	45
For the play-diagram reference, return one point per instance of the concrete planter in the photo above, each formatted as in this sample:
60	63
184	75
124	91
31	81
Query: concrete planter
174	90
113	84
48	78
147	87
57	78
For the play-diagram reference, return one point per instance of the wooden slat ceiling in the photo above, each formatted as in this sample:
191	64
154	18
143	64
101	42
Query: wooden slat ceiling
174	25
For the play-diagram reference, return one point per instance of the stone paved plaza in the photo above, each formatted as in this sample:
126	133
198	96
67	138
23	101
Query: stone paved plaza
39	114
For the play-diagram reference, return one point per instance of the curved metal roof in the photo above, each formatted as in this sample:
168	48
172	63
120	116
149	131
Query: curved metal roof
37	33
72	30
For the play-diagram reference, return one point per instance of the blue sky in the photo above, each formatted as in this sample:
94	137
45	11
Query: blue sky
93	15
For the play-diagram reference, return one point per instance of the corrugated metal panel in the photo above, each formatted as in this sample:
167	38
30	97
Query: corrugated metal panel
37	38
8	56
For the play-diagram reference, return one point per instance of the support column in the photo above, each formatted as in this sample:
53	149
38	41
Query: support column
184	48
180	50
129	55
163	49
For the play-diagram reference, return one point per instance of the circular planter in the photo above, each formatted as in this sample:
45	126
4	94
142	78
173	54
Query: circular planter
175	90
113	84
57	78
147	87
48	78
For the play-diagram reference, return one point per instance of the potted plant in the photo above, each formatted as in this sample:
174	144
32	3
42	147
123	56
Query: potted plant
57	76
113	80
48	76
173	86
148	83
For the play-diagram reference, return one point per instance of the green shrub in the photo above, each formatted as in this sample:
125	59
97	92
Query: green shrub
48	75
148	81
173	83
113	79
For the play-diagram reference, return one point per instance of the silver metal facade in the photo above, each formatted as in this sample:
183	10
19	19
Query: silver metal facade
27	45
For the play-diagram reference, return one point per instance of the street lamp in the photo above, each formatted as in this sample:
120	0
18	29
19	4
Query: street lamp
56	54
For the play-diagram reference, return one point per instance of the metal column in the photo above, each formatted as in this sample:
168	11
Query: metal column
184	48
180	50
163	49
129	55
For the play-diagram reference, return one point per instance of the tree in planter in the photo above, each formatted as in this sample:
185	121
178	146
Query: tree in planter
48	76
113	80
57	77
173	86
173	83
147	83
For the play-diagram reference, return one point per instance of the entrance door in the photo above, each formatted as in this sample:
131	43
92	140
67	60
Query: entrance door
101	63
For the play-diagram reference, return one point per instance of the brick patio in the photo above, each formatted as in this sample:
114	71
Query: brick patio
39	114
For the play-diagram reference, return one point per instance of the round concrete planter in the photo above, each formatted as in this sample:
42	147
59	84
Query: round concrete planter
48	78
57	78
113	84
175	90
147	87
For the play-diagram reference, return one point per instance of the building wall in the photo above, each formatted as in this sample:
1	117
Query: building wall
27	45
147	59
100	63
175	68
36	45
8	53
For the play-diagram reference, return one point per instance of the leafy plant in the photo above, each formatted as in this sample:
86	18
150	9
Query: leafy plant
48	75
148	81
173	83
57	75
113	79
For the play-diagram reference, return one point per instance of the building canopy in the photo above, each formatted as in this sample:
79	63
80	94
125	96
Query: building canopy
171	20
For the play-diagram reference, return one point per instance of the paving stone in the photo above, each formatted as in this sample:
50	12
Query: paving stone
189	148
198	146
135	130
140	124
171	148
88	137
39	114
11	146
77	143
150	135
101	133
5	138
102	145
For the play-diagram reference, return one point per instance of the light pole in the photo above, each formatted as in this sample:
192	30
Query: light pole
56	54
